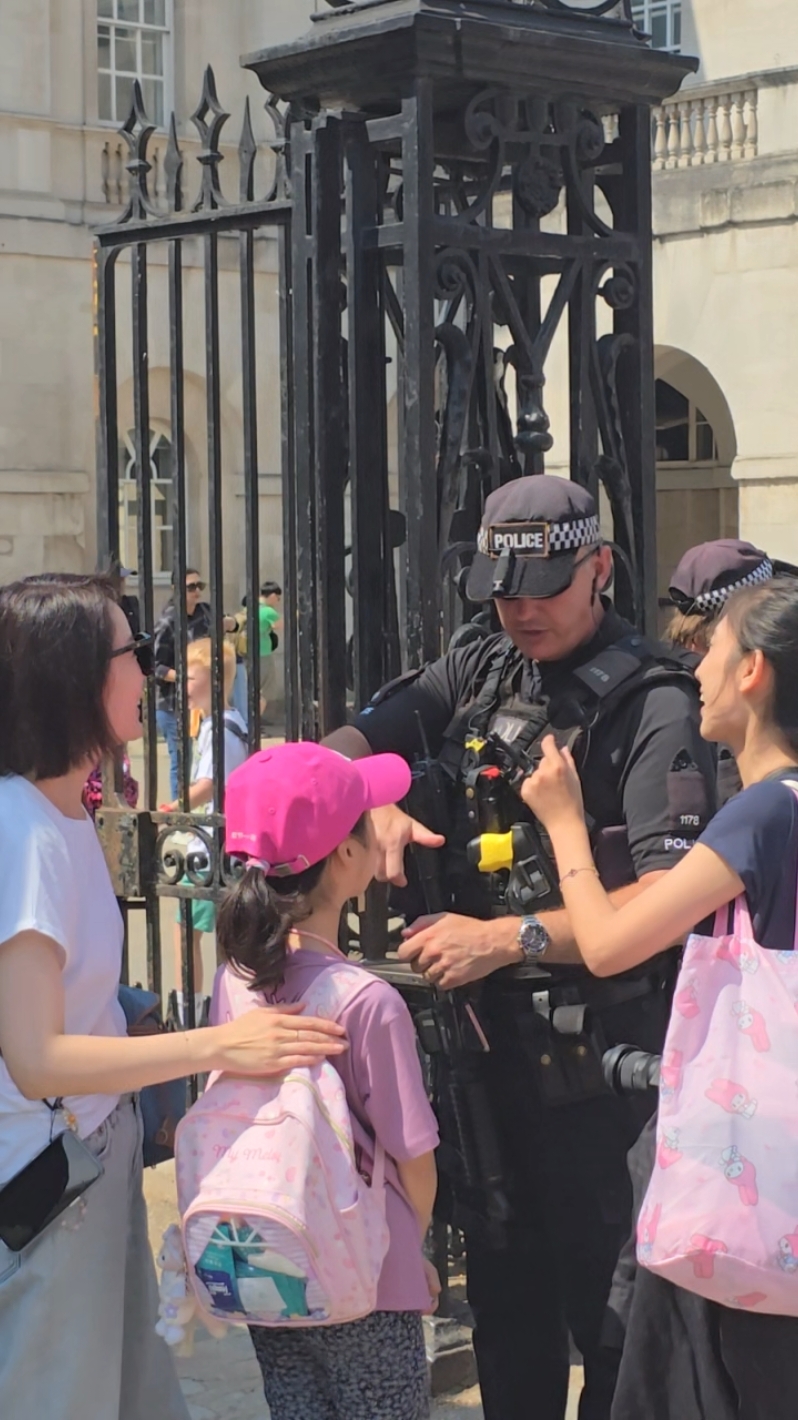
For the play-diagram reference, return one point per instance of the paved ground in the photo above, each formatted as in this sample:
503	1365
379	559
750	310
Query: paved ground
222	1381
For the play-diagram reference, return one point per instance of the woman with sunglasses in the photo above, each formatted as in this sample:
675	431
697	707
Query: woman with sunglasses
78	1299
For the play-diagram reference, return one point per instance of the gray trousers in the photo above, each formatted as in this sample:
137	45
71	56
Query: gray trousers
79	1307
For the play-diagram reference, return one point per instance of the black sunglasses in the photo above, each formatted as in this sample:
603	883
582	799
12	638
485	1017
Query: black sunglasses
195	586
142	648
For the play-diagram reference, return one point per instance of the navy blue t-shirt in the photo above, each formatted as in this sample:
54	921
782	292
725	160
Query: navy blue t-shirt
756	834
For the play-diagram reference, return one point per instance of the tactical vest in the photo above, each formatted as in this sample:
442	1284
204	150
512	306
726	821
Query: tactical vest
594	691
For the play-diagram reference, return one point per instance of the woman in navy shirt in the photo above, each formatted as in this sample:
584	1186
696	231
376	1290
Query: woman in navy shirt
686	1358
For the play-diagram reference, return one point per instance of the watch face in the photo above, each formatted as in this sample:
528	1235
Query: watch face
533	937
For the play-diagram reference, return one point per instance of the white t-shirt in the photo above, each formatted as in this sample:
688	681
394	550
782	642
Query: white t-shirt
236	750
54	880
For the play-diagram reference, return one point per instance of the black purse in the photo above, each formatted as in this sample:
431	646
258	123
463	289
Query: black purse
162	1106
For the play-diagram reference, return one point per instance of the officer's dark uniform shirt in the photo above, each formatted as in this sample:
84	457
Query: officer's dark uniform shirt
645	767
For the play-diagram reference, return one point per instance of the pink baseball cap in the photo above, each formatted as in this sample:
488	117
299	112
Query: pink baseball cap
290	806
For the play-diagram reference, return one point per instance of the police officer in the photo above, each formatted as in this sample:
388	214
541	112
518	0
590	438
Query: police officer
564	659
700	586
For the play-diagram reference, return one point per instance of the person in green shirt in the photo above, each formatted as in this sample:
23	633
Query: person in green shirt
270	619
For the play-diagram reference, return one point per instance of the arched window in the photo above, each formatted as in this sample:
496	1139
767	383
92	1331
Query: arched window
684	435
161	504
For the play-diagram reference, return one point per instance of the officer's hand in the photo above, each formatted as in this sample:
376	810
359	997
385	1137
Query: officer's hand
553	791
394	830
451	950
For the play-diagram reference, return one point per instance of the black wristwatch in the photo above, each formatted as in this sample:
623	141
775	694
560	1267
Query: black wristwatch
533	939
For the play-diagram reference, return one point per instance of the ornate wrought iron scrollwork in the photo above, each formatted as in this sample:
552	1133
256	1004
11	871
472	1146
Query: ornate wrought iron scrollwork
613	466
200	867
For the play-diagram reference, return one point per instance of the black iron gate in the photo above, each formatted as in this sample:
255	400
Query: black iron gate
148	245
449	186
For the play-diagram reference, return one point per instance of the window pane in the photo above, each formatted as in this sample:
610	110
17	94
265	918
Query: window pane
152	90
103	47
151	53
676	38
704	438
155	12
124	97
125	60
659	31
105	108
105	8
673	424
129	10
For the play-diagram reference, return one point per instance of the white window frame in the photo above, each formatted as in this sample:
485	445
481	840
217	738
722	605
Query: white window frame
128	496
167	30
643	12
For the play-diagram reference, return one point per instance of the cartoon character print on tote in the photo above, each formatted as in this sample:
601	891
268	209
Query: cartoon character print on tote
720	1216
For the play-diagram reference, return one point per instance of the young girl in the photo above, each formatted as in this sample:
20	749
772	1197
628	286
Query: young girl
300	815
685	1358
199	662
78	1305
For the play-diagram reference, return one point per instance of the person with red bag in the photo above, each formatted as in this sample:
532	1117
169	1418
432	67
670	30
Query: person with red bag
697	1351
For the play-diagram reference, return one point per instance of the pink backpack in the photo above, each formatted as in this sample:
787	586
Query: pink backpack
721	1213
279	1228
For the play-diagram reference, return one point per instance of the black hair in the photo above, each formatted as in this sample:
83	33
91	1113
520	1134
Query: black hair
56	639
765	619
190	572
257	915
271	589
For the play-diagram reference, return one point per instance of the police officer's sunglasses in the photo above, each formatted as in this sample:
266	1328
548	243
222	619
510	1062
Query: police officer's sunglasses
142	648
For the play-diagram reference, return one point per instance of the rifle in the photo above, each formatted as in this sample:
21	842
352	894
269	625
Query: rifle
451	1034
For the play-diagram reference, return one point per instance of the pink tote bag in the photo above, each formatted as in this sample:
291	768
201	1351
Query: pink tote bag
721	1214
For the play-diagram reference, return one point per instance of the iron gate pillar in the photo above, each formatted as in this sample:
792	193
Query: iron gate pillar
496	181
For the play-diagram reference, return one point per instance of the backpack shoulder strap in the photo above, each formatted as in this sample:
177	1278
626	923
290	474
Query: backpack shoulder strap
237	730
333	989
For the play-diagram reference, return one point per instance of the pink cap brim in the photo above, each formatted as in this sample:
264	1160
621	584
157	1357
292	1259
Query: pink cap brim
386	779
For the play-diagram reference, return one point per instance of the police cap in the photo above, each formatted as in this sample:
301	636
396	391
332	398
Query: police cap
708	574
532	536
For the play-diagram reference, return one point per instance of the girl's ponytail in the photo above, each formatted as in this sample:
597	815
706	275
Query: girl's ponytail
256	918
258	914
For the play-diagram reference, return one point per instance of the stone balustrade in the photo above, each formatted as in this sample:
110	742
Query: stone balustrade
717	126
114	176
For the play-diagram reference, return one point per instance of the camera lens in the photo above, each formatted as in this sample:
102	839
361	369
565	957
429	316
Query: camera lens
628	1070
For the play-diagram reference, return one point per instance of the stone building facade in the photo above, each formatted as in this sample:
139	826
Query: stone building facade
66	72
726	271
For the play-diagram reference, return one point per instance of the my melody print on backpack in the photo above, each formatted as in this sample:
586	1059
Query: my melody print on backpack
279	1228
721	1214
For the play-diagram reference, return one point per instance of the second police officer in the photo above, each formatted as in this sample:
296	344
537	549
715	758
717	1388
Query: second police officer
563	659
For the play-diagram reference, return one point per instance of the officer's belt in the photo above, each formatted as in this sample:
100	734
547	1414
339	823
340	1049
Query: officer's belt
602	996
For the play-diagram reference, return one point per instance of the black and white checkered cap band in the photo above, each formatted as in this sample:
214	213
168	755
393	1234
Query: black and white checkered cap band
713	601
563	537
559	537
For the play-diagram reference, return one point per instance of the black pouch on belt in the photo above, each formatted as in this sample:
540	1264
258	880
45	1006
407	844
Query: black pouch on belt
564	1046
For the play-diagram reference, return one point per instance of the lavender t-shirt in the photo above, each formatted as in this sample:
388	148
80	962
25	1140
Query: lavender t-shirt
385	1091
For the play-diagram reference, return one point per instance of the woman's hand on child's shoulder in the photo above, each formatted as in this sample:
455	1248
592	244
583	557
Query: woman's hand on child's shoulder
270	1040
